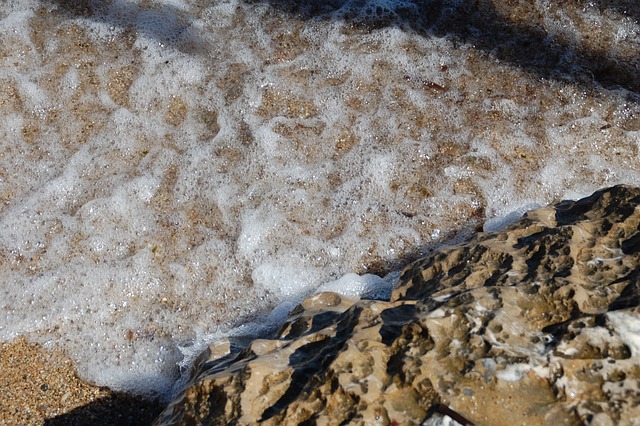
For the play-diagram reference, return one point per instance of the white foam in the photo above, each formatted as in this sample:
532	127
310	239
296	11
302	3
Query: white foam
501	222
286	278
628	328
368	285
440	420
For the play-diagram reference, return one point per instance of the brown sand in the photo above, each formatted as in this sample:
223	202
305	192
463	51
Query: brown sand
40	387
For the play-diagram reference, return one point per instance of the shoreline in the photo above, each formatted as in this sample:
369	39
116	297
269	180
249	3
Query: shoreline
159	192
39	386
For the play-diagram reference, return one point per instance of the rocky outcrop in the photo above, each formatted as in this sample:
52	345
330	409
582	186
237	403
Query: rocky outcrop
535	324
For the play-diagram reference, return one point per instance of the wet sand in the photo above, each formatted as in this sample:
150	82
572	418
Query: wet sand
40	387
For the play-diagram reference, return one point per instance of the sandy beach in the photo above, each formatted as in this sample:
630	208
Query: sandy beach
40	387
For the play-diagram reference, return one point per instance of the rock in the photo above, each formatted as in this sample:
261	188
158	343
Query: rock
536	324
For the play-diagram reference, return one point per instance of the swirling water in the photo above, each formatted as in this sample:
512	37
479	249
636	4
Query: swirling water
170	170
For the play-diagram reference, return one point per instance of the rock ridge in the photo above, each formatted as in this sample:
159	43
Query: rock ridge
534	324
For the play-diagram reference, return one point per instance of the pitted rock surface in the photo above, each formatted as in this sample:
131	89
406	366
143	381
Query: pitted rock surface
535	324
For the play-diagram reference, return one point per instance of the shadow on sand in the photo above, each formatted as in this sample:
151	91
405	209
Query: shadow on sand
163	23
114	410
516	40
519	40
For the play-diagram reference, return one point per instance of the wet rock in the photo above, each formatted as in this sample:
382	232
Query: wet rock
534	324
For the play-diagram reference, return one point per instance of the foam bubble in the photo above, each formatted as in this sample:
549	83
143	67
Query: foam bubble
629	331
502	221
367	285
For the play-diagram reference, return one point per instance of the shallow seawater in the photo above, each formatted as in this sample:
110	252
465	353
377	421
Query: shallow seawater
172	169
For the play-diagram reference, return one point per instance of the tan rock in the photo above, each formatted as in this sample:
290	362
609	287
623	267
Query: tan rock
535	324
